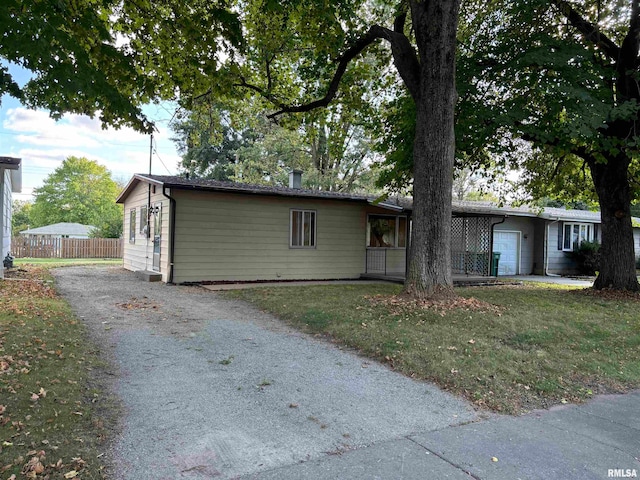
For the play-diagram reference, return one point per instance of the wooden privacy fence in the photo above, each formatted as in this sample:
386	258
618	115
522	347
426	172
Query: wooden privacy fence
43	247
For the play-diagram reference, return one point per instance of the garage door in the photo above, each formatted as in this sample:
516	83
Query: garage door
507	243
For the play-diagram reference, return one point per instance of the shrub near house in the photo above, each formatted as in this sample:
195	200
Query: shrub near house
587	257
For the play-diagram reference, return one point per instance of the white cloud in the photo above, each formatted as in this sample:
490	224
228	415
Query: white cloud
70	131
51	159
44	143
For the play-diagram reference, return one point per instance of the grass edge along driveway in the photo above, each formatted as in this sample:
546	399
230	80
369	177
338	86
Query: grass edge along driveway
52	422
510	349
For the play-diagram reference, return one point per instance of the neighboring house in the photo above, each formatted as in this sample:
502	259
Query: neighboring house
10	182
536	241
202	230
60	230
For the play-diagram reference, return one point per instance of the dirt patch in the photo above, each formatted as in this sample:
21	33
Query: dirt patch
138	304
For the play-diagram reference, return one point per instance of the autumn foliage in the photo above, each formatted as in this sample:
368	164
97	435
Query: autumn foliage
48	428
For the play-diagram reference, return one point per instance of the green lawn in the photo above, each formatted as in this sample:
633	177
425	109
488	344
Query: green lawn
49	399
63	262
537	346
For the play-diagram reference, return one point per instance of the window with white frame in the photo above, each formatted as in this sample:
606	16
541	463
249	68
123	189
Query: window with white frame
386	231
302	229
132	225
576	233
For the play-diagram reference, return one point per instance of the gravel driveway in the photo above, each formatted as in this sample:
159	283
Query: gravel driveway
213	388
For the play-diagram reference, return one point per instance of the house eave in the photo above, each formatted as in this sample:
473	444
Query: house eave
10	163
137	178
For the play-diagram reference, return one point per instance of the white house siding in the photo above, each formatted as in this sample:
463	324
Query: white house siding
6	214
139	255
559	261
526	227
636	241
222	237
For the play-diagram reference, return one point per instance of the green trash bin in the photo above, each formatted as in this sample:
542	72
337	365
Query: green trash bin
495	260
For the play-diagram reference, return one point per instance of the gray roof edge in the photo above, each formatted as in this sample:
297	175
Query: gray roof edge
10	163
61	228
231	187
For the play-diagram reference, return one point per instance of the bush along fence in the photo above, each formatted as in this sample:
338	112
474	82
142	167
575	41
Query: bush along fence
42	247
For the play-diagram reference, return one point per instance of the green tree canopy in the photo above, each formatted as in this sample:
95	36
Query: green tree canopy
562	75
79	191
234	141
20	216
109	57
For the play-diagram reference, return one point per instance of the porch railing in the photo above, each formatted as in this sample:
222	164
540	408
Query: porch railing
376	261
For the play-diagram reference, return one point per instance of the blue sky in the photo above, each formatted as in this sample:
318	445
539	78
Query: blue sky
43	143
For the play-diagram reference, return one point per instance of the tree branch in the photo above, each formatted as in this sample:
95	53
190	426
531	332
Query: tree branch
263	93
404	57
589	31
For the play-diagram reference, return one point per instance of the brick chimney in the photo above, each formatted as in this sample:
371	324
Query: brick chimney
295	179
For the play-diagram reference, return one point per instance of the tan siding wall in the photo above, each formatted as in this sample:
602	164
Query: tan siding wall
139	255
241	237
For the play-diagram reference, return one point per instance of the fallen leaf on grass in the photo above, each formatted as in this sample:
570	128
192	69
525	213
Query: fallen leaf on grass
71	474
401	304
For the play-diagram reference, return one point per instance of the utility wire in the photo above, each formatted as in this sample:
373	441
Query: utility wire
155	150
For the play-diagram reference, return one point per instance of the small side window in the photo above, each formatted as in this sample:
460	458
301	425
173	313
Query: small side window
132	225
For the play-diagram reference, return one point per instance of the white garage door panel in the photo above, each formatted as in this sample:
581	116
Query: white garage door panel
507	244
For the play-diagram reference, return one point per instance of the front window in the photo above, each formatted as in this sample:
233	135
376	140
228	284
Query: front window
386	231
302	229
132	225
576	233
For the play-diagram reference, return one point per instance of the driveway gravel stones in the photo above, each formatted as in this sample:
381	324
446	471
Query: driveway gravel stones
213	388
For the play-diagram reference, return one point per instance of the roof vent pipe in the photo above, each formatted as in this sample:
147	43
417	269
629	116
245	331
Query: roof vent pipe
295	179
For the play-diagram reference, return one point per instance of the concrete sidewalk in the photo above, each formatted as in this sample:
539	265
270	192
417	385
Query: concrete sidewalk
576	282
596	441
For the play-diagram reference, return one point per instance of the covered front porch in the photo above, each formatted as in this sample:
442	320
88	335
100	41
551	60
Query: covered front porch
471	251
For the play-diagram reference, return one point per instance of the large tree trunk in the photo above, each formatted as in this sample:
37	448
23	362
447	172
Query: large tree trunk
435	23
617	263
